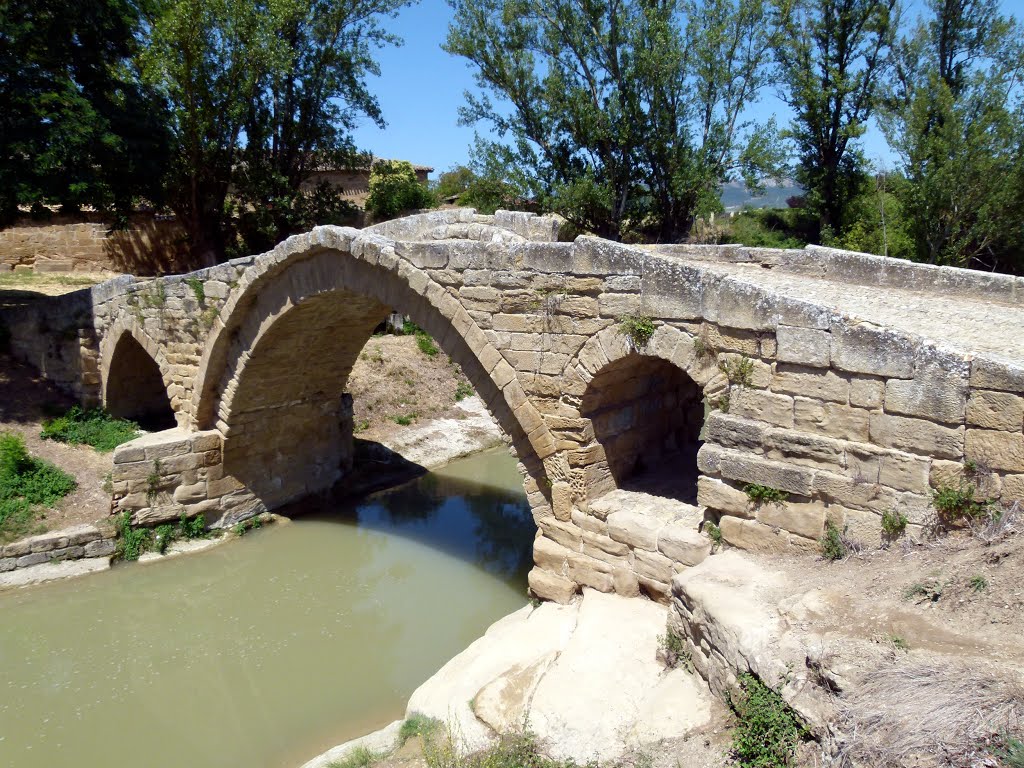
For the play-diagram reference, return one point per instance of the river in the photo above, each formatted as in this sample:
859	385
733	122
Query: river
266	651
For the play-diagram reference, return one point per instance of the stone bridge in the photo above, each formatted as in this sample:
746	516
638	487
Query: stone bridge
853	383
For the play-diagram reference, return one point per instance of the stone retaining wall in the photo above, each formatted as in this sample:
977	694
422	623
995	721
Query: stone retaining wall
68	544
85	243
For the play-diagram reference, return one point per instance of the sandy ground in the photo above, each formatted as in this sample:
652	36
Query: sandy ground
21	288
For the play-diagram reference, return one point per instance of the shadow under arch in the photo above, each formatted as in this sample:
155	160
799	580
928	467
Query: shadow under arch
273	377
134	387
647	415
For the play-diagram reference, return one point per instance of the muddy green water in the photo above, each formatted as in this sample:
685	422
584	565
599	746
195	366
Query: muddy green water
264	652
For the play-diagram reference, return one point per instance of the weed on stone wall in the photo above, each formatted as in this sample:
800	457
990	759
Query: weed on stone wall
132	541
894	524
769	731
638	329
763	494
672	649
94	427
714	533
738	370
197	288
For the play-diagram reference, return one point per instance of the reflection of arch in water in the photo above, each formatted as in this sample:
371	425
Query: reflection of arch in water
136	381
272	379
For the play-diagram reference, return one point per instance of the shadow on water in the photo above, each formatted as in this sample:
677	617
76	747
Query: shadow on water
481	519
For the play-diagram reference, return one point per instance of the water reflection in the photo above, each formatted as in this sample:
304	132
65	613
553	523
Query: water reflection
265	651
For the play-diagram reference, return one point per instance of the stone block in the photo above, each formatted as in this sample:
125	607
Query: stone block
805	449
752	469
549	555
938	391
862	347
34	558
804	346
605	548
722	497
802	518
127	453
188	494
566	534
1013	488
682	544
763	406
8	564
635	529
831	419
100	548
734	432
1003	451
753	536
995	374
550	586
867	393
589	572
995	410
916	436
894	469
653	565
811	383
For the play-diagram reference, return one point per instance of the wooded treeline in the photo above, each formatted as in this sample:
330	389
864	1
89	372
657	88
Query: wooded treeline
625	116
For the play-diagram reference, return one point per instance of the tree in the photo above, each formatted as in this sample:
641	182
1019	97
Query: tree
622	115
260	92
831	55
76	127
953	113
394	189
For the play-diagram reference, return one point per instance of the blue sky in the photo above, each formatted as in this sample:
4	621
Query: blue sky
421	88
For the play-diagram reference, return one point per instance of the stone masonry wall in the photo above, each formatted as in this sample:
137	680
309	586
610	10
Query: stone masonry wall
852	417
68	544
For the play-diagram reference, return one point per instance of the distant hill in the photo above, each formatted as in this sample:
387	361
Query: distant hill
735	195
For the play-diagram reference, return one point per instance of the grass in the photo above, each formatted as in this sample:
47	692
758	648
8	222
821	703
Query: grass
955	503
637	328
197	288
978	583
406	420
763	494
768	731
925	591
1012	752
713	531
94	427
674	651
26	483
833	545
515	750
899	643
417	725
360	757
133	542
424	342
463	390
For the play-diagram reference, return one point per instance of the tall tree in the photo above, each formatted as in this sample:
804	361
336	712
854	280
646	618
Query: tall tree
622	115
831	55
260	90
76	126
954	113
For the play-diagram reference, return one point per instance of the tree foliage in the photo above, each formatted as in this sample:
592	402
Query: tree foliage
831	55
77	128
622	115
953	113
260	92
394	189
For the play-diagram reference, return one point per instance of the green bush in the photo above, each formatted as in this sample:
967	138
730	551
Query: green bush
463	390
832	545
360	757
768	731
768	228
394	189
417	725
1012	752
426	344
132	542
26	482
954	503
713	531
93	427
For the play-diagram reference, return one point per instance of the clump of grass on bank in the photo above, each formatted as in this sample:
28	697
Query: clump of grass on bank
133	542
516	750
93	427
26	483
360	757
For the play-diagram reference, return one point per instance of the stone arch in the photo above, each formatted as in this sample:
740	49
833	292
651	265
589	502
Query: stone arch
644	405
272	377
135	378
